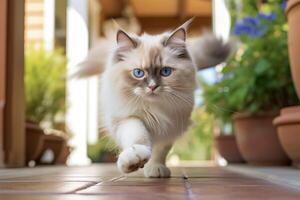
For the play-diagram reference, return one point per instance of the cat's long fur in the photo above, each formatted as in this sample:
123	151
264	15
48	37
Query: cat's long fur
145	122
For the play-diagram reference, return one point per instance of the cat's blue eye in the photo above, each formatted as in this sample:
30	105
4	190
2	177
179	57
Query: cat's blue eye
166	71
138	73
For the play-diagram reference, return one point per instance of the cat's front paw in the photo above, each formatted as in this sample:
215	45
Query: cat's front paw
133	158
156	170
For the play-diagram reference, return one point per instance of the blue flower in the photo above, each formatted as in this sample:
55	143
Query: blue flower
259	32
251	26
272	16
252	21
241	28
283	4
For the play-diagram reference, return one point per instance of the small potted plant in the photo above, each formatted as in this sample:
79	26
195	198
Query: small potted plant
256	83
225	140
45	99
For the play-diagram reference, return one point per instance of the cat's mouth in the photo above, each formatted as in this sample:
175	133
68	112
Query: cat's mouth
147	93
152	92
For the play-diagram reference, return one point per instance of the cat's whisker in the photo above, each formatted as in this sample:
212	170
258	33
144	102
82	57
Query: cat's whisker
187	100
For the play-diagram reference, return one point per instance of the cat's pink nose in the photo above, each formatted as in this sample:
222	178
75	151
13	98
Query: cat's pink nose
152	87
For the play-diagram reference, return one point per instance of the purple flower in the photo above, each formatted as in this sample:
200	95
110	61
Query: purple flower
272	16
283	4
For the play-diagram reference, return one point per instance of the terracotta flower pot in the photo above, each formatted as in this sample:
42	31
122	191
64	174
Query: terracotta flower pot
258	141
293	13
34	141
228	149
288	126
53	143
64	154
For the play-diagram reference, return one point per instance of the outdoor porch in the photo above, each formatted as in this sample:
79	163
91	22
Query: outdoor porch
192	181
204	162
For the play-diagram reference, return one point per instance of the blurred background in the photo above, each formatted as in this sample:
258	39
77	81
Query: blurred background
62	122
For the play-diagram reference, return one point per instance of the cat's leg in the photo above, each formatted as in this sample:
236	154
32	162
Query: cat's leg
156	167
133	137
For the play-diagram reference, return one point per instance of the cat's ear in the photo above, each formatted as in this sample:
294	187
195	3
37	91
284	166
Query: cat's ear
179	34
124	40
125	44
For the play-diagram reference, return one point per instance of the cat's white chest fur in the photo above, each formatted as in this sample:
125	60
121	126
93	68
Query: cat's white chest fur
165	121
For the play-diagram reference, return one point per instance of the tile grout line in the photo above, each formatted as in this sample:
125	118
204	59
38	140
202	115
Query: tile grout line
112	179
93	184
188	186
82	188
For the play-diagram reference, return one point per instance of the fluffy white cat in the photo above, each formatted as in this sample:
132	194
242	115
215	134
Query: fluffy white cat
147	92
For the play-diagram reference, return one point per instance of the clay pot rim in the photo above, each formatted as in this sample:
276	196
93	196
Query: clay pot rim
291	5
287	117
244	115
290	109
33	126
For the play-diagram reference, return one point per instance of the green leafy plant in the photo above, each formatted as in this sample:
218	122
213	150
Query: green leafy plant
257	79
45	85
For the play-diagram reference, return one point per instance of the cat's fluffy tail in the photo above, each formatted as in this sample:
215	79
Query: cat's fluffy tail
208	50
95	62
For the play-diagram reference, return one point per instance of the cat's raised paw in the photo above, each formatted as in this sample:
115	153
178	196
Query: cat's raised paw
133	158
156	170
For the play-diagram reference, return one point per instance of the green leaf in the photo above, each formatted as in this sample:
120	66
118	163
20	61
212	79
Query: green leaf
262	66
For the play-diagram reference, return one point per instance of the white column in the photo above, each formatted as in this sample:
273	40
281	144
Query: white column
221	19
77	116
49	23
93	134
221	27
221	23
93	111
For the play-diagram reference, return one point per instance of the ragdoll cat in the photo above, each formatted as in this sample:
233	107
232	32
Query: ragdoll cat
147	93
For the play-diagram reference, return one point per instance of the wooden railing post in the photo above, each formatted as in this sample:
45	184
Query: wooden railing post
14	110
2	73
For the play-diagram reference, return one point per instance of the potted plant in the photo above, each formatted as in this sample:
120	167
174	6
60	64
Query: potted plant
228	149
288	123
288	127
197	143
256	83
45	98
224	140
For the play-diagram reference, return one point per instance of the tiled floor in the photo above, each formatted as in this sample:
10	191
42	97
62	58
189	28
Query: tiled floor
283	175
104	182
